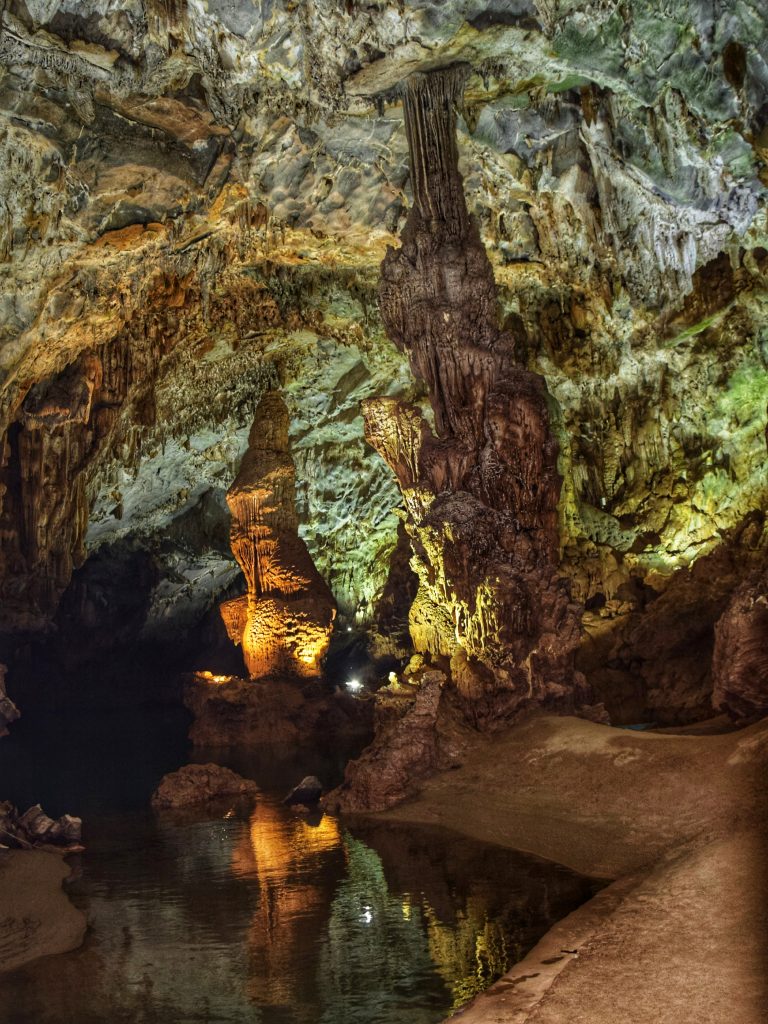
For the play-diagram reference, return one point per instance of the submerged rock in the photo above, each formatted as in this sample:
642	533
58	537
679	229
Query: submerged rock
308	792
199	783
35	828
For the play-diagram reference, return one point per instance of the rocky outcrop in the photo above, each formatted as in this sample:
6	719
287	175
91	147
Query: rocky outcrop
417	732
284	622
481	492
199	784
651	659
740	658
232	711
8	710
35	828
306	793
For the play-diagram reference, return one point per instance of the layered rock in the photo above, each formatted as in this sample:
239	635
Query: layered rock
481	491
285	620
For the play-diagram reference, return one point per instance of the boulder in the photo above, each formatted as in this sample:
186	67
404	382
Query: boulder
308	792
199	783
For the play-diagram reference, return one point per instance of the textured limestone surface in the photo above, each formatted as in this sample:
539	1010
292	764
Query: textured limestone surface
194	201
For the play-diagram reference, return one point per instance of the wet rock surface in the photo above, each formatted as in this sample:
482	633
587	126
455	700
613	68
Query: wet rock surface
37	918
199	784
307	792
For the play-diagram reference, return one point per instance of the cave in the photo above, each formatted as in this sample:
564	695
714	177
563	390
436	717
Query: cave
383	495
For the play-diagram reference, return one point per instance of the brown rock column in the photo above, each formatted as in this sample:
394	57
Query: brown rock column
481	491
284	622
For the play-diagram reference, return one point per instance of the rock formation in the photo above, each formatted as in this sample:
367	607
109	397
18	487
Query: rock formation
194	202
8	710
200	783
284	622
35	828
230	711
740	658
481	491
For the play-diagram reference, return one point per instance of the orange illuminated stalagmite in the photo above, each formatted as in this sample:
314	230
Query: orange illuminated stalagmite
284	622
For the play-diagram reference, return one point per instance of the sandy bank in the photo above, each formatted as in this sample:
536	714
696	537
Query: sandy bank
678	820
36	917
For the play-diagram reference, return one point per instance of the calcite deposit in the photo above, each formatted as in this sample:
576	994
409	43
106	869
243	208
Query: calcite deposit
284	621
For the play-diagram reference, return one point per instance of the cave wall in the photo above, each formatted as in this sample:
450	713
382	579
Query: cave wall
195	199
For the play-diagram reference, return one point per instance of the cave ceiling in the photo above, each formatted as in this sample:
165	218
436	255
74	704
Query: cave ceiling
195	198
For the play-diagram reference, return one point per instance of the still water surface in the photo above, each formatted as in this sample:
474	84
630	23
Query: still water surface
259	915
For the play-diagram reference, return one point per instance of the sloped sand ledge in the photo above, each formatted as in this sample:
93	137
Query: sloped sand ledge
678	821
36	916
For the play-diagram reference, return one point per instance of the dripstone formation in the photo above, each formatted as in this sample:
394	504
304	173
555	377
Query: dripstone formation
481	490
284	622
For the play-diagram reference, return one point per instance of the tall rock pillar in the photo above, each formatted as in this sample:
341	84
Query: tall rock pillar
284	622
481	490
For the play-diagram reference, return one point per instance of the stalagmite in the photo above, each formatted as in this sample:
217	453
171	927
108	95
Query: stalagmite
284	622
481	493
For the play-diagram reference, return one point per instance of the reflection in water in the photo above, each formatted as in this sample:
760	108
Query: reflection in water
274	919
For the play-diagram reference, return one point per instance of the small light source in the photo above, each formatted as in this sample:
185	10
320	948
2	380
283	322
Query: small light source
367	915
354	685
349	629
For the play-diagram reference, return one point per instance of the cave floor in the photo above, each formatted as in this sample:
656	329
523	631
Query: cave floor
677	821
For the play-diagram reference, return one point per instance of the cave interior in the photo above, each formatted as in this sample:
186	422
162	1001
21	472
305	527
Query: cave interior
384	418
